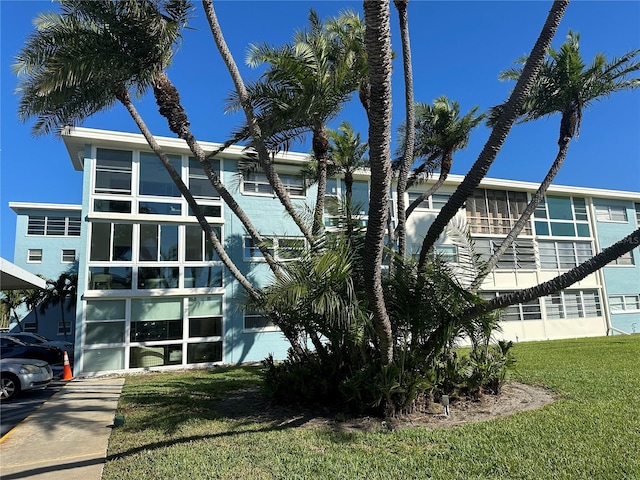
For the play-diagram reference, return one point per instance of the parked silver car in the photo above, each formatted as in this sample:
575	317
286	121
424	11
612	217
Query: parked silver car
21	374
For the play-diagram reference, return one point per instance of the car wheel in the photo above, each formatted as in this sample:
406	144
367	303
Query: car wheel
9	386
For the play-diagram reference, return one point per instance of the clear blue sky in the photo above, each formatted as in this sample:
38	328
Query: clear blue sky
459	48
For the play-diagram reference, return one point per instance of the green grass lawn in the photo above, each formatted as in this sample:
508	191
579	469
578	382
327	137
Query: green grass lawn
173	430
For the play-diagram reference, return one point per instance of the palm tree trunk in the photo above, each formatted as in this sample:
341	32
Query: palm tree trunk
186	193
444	173
560	282
499	132
168	100
378	45
526	214
320	150
263	155
407	155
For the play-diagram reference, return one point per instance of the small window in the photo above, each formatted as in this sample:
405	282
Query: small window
257	321
625	259
68	256
251	251
34	255
64	327
611	213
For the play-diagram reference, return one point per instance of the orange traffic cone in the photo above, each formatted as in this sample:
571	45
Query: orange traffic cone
66	372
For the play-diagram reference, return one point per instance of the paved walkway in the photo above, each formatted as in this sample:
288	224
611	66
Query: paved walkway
66	438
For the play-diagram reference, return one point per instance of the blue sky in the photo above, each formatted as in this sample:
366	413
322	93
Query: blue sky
458	49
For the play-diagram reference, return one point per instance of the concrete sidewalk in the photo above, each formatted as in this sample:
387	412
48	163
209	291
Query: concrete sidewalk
66	438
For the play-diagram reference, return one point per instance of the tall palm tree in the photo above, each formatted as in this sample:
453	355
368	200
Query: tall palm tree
409	139
378	43
565	85
136	39
305	85
499	132
63	291
440	132
32	300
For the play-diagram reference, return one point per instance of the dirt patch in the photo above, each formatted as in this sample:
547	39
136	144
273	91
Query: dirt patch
249	405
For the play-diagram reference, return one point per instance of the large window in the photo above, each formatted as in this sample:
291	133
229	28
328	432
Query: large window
158	243
611	213
562	217
154	177
257	182
563	255
105	322
199	183
111	242
52	226
573	304
495	211
519	255
198	248
520	312
155	319
205	317
113	172
110	278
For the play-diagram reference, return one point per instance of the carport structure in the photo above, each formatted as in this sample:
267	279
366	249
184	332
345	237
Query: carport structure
13	277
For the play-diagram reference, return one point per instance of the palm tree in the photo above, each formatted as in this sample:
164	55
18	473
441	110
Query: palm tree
136	40
11	300
565	85
512	109
32	300
63	291
409	139
378	43
304	87
440	132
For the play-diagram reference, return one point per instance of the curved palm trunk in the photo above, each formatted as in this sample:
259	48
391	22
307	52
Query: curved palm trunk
526	214
168	100
444	173
186	193
348	196
407	156
563	281
378	46
499	132
254	128
320	150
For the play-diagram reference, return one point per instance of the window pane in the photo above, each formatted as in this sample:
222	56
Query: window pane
199	306
194	243
100	242
109	278
616	302
35	225
563	229
580	209
203	277
104	332
159	208
559	208
592	306
148	243
113	206
105	310
205	327
542	228
142	357
56	226
122	242
547	252
553	306
154	177
573	305
103	359
199	183
158	277
168	243
204	352
113	171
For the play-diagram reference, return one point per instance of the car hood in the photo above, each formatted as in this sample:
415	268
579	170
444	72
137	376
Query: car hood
30	361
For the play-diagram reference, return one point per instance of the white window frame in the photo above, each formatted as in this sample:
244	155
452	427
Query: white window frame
628	303
252	253
269	327
66	252
608	213
61	325
583	307
257	183
34	255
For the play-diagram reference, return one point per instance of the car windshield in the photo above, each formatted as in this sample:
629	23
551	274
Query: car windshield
8	340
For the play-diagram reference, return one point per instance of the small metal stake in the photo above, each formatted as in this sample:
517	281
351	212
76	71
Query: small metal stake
445	403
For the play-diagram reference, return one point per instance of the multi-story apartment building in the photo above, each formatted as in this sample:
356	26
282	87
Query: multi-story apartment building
152	293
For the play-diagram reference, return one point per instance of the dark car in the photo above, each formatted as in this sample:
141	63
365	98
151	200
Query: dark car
13	348
37	339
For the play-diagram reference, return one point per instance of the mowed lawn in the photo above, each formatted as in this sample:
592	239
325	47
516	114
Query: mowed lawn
173	430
